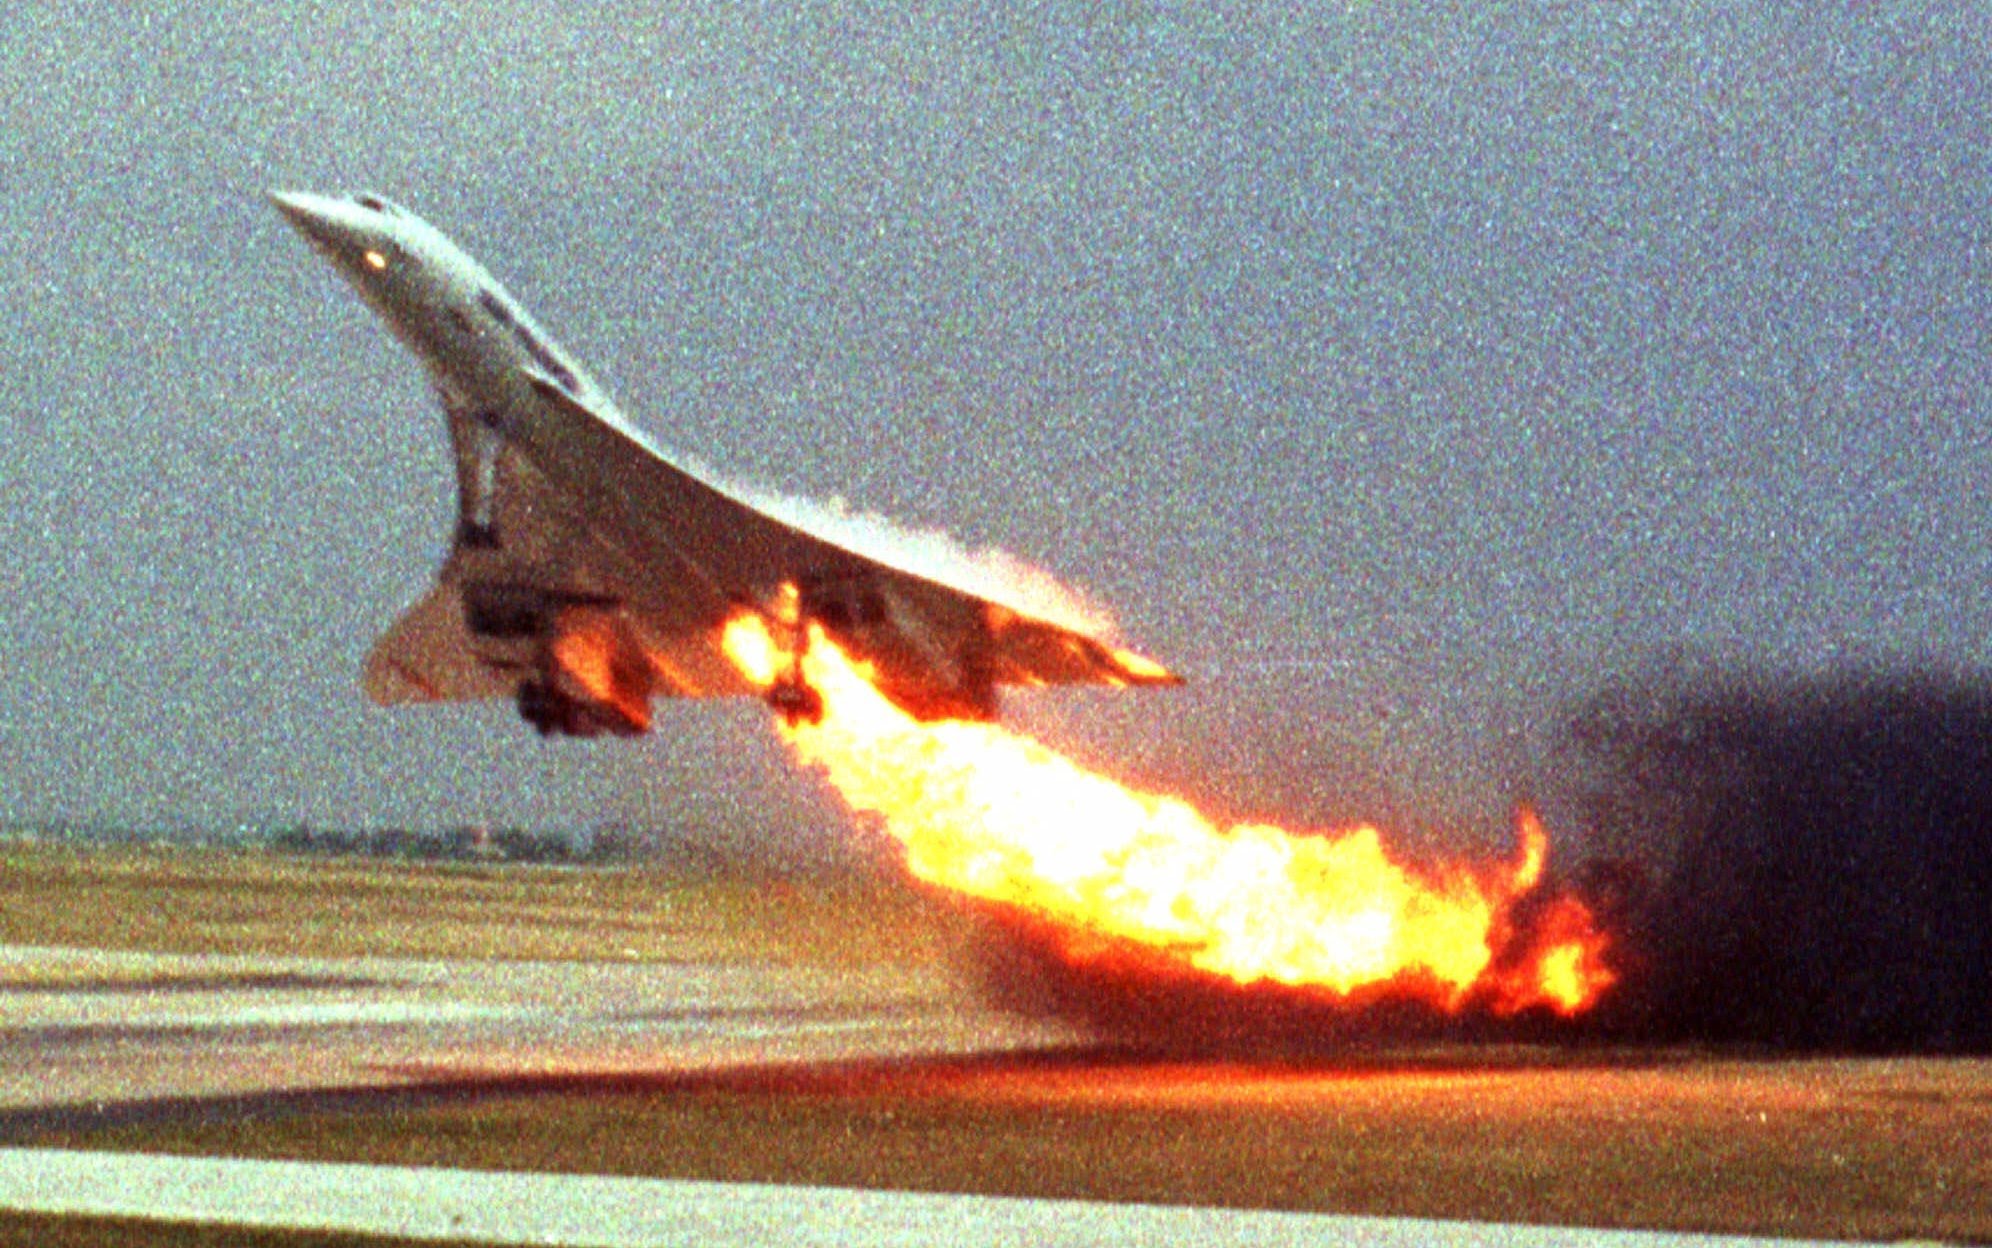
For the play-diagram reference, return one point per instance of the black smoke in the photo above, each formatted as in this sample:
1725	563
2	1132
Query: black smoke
1806	862
1791	863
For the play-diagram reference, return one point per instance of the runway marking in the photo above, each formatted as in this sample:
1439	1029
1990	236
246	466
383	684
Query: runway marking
142	1013
612	1212
61	981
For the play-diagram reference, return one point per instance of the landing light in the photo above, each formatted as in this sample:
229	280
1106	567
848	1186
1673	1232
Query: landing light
376	260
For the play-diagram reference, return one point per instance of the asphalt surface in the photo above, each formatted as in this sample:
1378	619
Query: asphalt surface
93	1038
487	1207
88	1035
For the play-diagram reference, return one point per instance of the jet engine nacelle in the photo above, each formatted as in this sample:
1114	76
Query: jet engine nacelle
914	668
583	672
555	713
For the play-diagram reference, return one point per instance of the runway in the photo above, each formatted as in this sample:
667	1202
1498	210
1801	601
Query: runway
89	1035
502	1208
716	1098
94	1039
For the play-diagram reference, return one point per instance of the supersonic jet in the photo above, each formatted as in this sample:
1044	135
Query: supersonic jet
590	573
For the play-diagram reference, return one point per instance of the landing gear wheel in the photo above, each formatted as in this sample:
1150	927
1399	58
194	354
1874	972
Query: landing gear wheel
537	707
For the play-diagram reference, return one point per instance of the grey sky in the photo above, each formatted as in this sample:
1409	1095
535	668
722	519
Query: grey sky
1469	354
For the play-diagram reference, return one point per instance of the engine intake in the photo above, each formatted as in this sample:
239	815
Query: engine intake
554	713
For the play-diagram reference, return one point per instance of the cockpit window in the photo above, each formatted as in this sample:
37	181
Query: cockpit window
375	203
538	351
495	306
544	357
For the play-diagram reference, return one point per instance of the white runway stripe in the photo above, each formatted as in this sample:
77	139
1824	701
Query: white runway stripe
511	1208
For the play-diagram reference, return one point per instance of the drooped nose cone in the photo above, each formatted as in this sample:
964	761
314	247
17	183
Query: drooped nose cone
341	230
297	205
316	217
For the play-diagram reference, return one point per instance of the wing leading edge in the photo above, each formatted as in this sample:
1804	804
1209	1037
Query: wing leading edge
614	571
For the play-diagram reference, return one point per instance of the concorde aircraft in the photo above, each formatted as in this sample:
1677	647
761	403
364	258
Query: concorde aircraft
591	573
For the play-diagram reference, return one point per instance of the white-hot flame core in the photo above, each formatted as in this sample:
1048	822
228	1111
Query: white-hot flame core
996	815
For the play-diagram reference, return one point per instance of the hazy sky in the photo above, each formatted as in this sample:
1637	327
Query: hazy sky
1437	360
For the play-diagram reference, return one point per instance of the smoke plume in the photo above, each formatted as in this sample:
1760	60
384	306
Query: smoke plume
1806	862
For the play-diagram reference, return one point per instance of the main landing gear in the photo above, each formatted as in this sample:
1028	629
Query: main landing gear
792	697
795	701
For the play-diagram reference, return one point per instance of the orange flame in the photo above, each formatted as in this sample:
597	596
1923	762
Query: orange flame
998	816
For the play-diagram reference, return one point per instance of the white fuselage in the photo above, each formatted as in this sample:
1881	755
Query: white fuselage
479	345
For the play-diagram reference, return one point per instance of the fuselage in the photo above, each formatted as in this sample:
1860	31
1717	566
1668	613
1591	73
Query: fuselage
480	347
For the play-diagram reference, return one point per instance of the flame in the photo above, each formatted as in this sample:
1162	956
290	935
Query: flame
1141	667
587	651
998	816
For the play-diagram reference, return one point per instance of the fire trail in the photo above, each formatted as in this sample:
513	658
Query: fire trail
1002	818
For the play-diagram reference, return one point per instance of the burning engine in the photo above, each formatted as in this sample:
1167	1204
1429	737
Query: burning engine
910	665
1121	877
